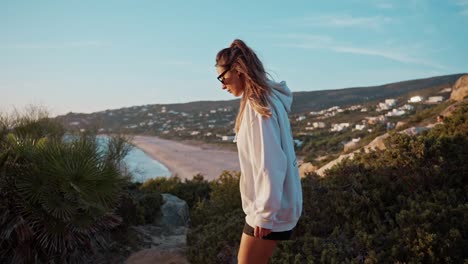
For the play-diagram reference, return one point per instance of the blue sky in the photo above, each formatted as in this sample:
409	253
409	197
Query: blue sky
87	56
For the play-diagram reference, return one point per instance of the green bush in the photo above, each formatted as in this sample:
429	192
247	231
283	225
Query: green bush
131	211
406	204
217	223
151	203
55	196
192	191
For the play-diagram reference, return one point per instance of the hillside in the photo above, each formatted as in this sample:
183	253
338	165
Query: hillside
319	111
315	100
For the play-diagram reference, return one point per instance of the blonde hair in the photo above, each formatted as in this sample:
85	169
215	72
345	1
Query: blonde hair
243	59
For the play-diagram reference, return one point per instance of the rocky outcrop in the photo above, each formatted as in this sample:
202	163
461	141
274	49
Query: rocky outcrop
175	212
377	143
165	241
350	146
332	163
400	124
306	168
460	89
414	131
452	108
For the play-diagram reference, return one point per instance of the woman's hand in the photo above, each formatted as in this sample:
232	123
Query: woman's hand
260	232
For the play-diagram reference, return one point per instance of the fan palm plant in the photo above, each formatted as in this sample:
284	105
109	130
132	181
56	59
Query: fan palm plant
55	195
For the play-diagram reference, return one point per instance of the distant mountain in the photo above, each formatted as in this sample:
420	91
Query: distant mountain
218	116
316	100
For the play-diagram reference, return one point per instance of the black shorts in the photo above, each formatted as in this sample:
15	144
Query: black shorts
284	235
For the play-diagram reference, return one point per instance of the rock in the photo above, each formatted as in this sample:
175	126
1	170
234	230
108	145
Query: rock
460	89
452	108
175	212
350	146
306	168
377	143
400	124
166	240
414	131
332	163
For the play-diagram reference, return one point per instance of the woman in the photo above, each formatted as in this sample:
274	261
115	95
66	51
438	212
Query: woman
270	185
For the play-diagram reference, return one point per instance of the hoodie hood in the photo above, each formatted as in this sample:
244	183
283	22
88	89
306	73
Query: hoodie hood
282	93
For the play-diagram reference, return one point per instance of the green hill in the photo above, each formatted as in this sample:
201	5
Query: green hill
174	118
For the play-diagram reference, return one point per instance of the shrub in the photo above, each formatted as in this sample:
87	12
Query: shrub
151	203
131	211
192	191
55	196
217	223
406	204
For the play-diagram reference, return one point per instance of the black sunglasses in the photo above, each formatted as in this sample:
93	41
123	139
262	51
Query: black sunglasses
221	76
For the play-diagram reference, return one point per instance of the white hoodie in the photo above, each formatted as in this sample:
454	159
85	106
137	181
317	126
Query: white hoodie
270	185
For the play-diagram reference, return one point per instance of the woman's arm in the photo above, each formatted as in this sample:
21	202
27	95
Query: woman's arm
269	163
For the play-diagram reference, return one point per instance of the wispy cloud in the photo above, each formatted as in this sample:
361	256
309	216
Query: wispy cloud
345	21
319	40
385	5
330	44
178	62
463	4
388	54
63	45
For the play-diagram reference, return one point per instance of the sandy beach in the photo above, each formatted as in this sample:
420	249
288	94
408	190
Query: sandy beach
186	160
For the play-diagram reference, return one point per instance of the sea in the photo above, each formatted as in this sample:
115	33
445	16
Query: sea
140	165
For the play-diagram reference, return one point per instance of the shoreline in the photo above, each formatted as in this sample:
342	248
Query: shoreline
187	160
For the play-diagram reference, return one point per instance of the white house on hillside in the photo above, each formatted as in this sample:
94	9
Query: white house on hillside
387	105
415	99
407	107
435	99
390	102
300	118
339	127
382	107
228	138
318	124
446	90
372	120
359	127
396	112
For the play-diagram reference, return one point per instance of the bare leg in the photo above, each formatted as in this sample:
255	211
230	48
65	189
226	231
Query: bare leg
254	250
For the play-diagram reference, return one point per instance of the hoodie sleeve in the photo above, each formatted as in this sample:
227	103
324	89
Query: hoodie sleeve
269	160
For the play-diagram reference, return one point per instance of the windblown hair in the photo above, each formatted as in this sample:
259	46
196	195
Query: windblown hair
243	59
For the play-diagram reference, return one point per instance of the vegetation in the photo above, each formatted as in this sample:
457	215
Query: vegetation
56	195
192	191
406	204
179	121
325	143
217	223
428	113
